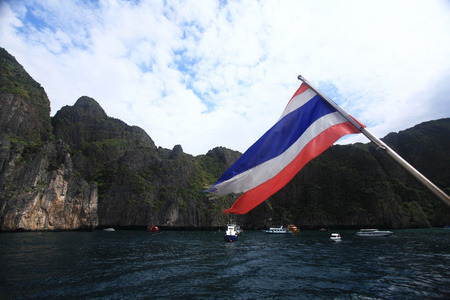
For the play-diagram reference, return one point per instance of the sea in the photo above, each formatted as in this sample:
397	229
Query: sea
133	264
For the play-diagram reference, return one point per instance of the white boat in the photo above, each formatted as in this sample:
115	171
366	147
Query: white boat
109	229
335	237
230	233
278	230
373	232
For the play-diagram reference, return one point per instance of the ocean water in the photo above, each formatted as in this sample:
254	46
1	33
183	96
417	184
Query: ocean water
410	264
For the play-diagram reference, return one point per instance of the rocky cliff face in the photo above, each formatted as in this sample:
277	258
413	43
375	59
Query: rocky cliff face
25	108
139	184
39	187
42	191
103	172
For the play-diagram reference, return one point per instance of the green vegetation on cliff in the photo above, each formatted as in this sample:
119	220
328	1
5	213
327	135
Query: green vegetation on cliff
22	98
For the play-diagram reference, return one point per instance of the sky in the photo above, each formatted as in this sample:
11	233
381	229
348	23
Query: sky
203	74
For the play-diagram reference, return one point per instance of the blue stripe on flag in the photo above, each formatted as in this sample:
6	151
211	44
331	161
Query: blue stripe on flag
280	137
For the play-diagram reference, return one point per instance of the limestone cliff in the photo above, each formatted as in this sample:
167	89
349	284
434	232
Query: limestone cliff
43	192
25	108
39	188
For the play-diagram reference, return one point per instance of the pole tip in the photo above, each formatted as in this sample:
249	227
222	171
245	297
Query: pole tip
299	77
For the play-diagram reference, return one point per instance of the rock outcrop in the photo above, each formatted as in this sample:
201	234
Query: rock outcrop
39	187
44	192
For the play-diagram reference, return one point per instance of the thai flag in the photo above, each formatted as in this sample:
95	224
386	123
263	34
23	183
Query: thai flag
307	127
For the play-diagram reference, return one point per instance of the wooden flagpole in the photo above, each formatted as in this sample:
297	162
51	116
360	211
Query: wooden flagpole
416	174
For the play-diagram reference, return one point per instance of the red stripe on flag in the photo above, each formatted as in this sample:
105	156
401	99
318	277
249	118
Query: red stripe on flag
320	143
301	89
361	124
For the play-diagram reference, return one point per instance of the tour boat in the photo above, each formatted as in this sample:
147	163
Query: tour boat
335	237
231	234
373	232
278	230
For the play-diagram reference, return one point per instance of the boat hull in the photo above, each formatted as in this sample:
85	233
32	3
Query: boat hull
278	230
335	237
230	238
373	233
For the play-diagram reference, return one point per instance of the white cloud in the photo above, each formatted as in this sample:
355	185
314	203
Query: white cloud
212	73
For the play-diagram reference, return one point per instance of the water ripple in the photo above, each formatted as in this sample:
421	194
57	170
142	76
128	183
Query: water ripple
410	264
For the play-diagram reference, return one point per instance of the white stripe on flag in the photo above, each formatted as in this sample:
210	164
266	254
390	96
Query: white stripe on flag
297	102
254	177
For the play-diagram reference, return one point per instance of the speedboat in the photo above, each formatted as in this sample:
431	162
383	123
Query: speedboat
292	228
109	229
373	232
153	228
335	237
231	234
278	230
